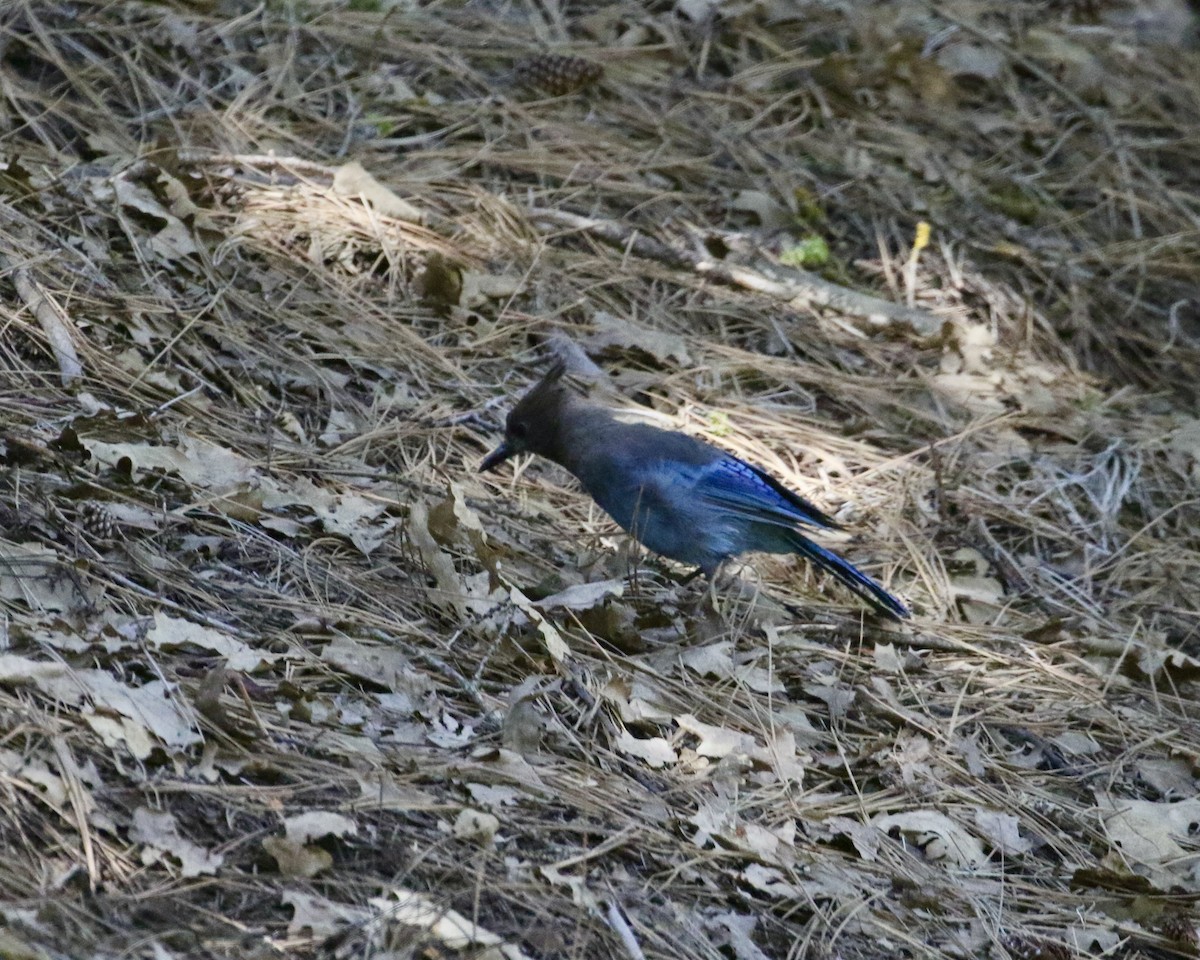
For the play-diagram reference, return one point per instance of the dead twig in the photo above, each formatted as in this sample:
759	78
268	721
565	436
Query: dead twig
51	317
796	287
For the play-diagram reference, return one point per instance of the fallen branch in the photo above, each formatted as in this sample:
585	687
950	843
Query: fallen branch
795	287
55	323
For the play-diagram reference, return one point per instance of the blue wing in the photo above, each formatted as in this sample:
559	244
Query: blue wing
754	495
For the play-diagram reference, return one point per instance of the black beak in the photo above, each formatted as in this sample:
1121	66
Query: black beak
496	457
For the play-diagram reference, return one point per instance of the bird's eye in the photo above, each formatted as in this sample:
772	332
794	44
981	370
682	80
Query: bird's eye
517	430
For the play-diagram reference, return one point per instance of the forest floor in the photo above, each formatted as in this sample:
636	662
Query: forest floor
284	676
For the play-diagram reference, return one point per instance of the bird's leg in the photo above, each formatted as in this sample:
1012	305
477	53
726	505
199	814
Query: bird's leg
632	555
710	574
691	576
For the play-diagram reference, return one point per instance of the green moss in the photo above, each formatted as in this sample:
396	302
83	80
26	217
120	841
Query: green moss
811	252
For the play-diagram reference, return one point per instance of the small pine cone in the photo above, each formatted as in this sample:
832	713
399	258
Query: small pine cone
96	520
1178	928
1035	948
558	75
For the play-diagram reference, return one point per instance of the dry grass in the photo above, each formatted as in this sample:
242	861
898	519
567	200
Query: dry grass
285	677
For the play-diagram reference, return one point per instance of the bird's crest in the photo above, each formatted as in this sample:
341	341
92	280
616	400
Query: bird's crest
555	387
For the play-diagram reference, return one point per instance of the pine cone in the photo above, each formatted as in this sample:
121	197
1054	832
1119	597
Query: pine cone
1035	948
1179	928
96	520
556	74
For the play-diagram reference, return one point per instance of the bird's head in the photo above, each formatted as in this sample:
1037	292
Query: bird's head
533	424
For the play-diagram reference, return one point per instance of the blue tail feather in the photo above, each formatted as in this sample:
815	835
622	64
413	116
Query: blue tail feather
849	575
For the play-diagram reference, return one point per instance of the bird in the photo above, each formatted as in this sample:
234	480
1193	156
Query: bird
677	495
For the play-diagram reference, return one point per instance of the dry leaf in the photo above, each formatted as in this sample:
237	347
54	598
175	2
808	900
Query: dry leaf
352	180
555	645
377	663
32	575
322	918
715	741
295	859
478	287
935	835
1003	831
865	837
1155	838
487	795
654	751
315	824
735	932
173	240
159	833
583	596
476	825
772	215
145	715
169	633
615	333
450	927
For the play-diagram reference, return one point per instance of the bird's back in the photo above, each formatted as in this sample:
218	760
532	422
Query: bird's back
679	496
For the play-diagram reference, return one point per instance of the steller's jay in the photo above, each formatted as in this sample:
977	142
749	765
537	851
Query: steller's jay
679	496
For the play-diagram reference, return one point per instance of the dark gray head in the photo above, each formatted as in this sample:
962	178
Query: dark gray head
534	423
